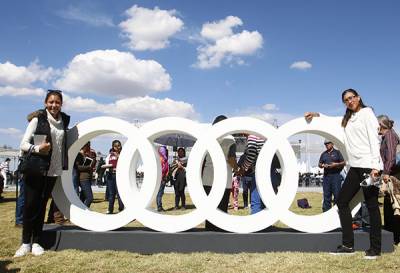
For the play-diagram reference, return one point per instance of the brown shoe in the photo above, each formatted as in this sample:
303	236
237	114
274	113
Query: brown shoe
59	218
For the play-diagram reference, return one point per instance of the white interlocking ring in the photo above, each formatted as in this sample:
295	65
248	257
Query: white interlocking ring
137	201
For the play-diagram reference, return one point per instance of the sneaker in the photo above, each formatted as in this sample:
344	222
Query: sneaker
343	250
23	250
371	254
37	250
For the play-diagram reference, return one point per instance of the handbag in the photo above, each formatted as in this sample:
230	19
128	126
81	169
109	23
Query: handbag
33	164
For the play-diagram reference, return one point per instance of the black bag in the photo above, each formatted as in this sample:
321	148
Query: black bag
33	164
303	203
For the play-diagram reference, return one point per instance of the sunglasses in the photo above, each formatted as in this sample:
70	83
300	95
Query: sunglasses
54	91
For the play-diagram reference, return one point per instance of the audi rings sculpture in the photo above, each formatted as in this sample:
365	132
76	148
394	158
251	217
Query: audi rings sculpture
137	201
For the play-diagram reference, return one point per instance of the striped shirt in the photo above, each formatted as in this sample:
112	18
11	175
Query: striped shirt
5	166
390	140
253	148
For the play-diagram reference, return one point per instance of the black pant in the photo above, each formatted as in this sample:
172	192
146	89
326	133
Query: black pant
391	221
180	195
349	188
223	206
37	192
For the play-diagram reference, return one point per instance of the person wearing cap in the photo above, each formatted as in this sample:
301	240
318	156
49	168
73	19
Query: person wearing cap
332	161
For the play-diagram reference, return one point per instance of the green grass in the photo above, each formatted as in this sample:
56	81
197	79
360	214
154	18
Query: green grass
119	261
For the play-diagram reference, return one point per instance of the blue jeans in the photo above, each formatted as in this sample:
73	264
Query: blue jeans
19	209
160	195
256	203
112	193
331	186
86	192
75	180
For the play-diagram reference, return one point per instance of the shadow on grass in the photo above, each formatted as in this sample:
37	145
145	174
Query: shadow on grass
271	229
3	267
7	200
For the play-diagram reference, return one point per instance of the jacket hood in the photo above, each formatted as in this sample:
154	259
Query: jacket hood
37	113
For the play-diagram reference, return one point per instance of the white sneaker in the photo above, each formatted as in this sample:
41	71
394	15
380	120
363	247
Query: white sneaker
37	250
23	250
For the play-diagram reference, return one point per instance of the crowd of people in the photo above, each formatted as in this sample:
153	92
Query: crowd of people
370	144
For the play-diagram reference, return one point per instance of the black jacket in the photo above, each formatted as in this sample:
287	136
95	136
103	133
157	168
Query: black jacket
43	128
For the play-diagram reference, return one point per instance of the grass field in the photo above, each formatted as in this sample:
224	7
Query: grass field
120	261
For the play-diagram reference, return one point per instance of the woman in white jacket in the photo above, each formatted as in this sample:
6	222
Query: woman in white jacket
362	146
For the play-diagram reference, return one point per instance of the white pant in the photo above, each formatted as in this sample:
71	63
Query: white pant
4	174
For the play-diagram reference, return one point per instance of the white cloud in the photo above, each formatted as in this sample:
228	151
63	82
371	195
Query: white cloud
141	108
220	29
268	112
113	73
301	65
90	18
24	76
10	131
270	107
21	91
224	45
150	29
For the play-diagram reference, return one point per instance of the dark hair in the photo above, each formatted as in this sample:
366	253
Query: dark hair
182	149
7	159
349	112
115	142
52	92
219	118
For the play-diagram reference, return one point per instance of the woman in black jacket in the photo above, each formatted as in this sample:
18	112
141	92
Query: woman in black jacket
47	128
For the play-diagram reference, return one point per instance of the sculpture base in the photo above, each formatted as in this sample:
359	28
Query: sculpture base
146	241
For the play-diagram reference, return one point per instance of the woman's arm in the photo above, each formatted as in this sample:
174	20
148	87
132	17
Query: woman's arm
107	163
26	139
372	127
390	160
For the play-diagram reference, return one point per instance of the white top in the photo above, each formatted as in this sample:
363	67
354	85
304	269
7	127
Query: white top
5	166
208	172
57	138
362	141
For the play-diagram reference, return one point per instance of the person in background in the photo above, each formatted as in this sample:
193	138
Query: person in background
332	162
111	165
19	208
5	170
1	186
245	179
179	177
52	123
235	191
163	153
100	172
85	162
228	146
247	168
362	143
388	149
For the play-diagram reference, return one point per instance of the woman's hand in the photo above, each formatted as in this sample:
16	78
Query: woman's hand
374	173
44	147
310	115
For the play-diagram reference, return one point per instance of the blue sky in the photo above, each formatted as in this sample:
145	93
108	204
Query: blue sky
140	60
